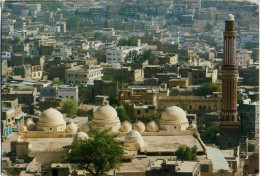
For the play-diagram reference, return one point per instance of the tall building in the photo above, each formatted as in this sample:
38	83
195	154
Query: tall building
229	126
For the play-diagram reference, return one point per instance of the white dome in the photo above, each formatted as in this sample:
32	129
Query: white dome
85	127
152	127
105	112
79	136
139	126
134	137
30	125
133	140
230	17
174	113
51	119
126	126
72	128
51	116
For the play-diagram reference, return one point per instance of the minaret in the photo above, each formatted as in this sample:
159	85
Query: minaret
229	126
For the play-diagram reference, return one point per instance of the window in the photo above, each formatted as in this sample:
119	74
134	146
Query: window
146	111
138	112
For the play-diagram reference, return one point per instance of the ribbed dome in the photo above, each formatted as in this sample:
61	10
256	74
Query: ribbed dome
51	116
79	136
134	137
30	125
85	127
152	127
72	128
174	113
139	126
126	126
105	112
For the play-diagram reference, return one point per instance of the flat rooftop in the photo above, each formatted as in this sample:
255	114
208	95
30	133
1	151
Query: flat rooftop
169	143
49	143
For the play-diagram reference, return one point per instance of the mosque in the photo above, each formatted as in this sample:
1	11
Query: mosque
50	137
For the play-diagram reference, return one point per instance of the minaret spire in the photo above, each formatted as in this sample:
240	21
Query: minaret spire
229	124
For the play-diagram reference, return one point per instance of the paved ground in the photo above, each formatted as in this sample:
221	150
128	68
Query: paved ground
6	144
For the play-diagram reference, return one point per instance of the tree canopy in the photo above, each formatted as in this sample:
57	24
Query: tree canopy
207	89
72	22
186	153
208	26
70	107
136	57
211	132
97	155
122	114
58	81
16	40
131	41
148	55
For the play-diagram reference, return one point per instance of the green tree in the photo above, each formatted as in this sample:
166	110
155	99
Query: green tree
16	40
211	132
109	77
207	89
133	56
98	35
72	22
122	114
70	107
97	155
148	55
131	41
157	116
208	26
186	153
113	101
58	81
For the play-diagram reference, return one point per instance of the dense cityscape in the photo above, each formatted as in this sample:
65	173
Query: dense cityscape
130	88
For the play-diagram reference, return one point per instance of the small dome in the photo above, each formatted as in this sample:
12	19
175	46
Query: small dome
134	137
152	127
139	126
126	126
79	136
30	125
105	112
174	113
72	128
85	127
230	17
51	116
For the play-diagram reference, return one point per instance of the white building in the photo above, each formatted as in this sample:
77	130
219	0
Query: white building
65	52
83	75
55	29
117	54
21	34
243	58
66	91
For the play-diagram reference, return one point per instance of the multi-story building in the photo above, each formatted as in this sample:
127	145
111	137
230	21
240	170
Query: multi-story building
117	54
37	71
249	115
83	75
243	58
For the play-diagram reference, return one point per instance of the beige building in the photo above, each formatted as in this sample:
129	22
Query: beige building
83	75
37	71
178	82
47	139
